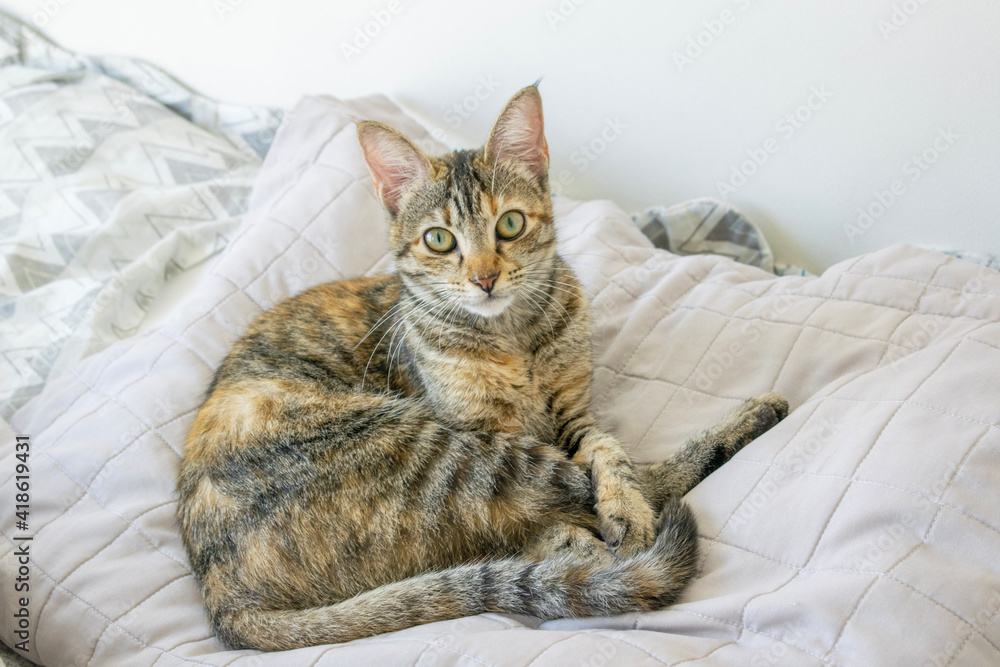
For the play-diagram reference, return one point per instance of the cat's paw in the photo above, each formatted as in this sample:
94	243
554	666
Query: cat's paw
753	419
625	519
759	404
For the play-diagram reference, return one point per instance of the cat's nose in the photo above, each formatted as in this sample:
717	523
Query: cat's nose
485	282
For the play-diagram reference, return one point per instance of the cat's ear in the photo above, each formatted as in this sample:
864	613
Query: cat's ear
394	162
519	133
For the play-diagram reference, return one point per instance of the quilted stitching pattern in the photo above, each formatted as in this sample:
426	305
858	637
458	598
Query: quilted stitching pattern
870	514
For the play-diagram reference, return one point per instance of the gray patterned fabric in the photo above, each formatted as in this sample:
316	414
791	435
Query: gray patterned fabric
710	227
987	260
705	226
113	179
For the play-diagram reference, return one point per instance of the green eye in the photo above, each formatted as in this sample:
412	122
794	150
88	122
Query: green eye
439	239
510	225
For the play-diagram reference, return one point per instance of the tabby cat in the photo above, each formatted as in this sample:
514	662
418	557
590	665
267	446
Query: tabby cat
382	452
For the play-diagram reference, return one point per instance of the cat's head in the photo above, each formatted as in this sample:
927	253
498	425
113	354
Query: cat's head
472	228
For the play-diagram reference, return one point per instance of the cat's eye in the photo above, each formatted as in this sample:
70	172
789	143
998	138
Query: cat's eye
510	225
439	239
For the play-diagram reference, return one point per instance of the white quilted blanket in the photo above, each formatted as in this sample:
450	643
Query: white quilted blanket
863	530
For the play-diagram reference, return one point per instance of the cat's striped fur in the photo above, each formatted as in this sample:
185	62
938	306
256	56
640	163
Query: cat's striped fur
382	452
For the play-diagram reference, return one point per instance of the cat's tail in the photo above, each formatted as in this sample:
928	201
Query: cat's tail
557	588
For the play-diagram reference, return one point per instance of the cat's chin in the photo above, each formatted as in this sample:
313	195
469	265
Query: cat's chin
490	306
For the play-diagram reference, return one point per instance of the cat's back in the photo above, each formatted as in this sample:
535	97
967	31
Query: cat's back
310	352
338	314
323	334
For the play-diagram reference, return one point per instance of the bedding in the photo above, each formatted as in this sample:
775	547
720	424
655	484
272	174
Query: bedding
864	529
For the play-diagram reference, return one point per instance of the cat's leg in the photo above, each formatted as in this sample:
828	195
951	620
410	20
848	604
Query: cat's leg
704	453
625	517
569	539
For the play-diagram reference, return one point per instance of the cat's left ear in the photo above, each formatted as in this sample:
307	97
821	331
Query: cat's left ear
396	165
519	133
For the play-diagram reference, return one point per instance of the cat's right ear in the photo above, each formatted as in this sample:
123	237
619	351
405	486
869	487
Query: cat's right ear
394	162
518	135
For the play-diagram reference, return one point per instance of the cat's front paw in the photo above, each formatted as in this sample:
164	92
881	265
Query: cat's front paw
625	519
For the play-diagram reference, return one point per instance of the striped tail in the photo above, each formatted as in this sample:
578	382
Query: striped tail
557	588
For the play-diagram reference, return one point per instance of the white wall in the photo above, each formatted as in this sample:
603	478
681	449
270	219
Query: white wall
683	129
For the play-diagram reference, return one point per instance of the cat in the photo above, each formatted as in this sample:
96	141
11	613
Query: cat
382	452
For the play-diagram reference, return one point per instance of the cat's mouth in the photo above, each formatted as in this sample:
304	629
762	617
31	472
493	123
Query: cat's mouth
489	305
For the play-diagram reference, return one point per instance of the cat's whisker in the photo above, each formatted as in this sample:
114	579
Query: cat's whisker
564	315
428	312
550	298
458	311
420	316
372	355
571	254
393	328
388	313
450	315
550	269
544	275
447	301
388	372
547	275
552	329
572	292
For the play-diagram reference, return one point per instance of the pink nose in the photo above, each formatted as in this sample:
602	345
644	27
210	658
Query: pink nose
485	282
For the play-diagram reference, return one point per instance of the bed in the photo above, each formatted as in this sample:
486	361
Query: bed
864	529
